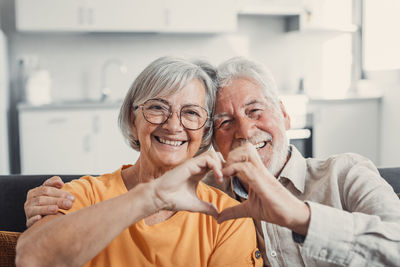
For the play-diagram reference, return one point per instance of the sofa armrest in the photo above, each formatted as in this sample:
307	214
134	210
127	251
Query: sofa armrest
8	242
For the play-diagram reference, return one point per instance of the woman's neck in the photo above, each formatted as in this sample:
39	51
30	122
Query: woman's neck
142	171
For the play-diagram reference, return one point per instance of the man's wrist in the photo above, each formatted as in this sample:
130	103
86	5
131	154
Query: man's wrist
302	220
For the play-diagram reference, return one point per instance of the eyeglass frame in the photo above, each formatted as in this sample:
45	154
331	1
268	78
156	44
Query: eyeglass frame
208	118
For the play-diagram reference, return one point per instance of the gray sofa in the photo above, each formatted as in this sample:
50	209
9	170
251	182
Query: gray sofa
13	190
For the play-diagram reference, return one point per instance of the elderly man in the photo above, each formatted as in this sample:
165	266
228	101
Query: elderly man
308	212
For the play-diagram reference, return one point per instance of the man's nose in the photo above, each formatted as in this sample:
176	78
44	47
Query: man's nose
244	128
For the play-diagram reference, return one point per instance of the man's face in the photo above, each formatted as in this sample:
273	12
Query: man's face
243	112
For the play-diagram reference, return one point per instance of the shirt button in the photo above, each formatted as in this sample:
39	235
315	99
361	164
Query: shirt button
257	254
273	253
323	253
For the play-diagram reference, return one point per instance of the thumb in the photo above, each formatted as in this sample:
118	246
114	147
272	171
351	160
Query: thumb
54	181
238	211
207	208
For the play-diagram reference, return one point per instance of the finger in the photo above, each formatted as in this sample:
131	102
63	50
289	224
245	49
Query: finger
238	211
49	191
31	221
54	181
208	161
46	205
246	152
41	210
207	208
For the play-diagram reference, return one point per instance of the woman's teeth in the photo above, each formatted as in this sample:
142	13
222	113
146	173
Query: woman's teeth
170	142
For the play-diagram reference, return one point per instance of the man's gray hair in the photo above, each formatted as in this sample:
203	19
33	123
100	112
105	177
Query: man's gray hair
163	77
239	67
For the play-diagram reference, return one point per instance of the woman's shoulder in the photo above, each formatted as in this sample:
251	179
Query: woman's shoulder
102	184
214	195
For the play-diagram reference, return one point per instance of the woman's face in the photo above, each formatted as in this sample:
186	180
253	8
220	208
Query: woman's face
169	144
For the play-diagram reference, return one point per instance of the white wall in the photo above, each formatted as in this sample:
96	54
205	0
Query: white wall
389	82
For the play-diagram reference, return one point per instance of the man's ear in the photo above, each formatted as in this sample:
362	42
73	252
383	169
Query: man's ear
286	116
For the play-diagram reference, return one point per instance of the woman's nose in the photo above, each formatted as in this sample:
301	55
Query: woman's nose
174	123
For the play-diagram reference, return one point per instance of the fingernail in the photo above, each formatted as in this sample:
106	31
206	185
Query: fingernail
53	208
71	197
67	203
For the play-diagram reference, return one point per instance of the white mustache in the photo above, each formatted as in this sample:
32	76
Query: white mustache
255	139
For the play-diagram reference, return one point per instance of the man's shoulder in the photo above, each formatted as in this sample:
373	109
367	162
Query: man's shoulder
343	161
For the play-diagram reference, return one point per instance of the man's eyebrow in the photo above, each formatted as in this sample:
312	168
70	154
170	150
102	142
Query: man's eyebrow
255	101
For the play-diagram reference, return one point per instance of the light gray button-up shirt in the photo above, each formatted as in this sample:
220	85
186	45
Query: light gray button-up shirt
355	215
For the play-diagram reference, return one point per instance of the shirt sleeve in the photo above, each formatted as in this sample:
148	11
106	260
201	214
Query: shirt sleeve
83	193
366	232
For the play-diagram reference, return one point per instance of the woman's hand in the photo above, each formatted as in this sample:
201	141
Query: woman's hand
176	189
46	200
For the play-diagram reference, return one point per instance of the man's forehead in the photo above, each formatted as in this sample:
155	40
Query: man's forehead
221	111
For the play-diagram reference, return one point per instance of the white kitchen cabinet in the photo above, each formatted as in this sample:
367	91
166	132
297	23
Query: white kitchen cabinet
200	16
86	15
71	141
270	7
347	125
335	15
126	15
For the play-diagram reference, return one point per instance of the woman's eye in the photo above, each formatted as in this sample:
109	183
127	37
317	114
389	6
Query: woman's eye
156	107
192	113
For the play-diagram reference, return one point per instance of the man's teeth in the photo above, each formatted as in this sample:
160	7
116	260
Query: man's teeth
260	145
171	143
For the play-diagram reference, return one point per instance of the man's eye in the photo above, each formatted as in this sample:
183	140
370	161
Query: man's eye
252	113
222	124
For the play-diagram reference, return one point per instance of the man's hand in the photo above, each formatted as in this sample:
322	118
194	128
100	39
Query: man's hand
268	200
176	189
46	200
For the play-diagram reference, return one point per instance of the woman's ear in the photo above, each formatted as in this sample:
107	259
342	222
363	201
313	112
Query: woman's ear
133	125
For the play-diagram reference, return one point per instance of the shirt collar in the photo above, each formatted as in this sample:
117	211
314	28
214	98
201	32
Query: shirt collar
295	169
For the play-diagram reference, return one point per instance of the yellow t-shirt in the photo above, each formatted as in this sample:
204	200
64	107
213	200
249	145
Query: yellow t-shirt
185	239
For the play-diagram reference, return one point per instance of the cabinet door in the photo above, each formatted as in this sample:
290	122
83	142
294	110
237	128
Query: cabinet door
84	15
48	15
112	151
127	15
57	142
200	16
327	15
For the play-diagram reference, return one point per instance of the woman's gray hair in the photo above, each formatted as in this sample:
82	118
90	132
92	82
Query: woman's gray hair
163	77
239	67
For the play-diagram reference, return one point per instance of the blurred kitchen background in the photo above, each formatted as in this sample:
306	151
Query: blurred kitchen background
65	65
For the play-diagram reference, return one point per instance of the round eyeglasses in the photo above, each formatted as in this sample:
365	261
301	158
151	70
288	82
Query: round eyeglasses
158	111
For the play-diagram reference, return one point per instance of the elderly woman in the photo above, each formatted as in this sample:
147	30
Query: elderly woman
139	214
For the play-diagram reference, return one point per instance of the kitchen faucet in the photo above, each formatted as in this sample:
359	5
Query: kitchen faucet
105	90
